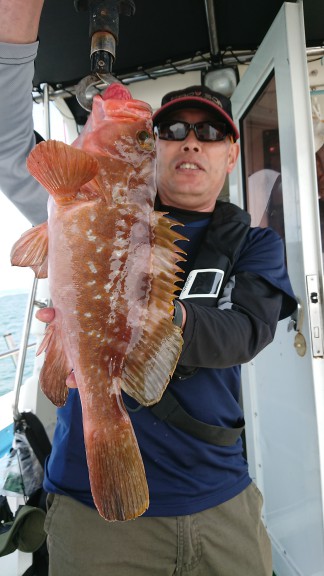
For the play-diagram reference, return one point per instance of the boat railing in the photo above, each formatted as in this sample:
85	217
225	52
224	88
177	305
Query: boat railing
19	354
13	352
32	302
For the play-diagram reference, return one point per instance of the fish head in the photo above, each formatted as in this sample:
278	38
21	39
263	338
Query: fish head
119	133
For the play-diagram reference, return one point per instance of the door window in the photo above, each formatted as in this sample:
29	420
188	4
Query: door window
318	129
261	159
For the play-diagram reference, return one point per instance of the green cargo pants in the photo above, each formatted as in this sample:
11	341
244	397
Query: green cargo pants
228	540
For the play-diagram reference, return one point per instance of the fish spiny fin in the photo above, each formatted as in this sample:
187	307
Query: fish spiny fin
55	369
149	367
61	169
32	249
117	475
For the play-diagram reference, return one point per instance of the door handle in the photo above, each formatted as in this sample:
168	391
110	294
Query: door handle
315	315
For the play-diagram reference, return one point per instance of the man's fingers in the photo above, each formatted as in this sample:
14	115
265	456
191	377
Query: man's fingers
71	381
45	314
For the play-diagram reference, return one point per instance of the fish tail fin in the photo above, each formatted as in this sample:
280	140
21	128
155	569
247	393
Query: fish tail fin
55	369
61	169
117	475
149	366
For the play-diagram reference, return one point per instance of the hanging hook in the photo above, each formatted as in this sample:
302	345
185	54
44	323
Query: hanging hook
104	32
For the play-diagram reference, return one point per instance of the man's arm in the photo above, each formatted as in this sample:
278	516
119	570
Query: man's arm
19	20
236	331
18	31
245	318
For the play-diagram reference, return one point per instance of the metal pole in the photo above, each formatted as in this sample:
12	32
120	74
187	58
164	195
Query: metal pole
13	353
46	107
23	349
212	30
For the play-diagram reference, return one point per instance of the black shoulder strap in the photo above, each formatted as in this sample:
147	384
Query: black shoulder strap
169	410
221	245
219	249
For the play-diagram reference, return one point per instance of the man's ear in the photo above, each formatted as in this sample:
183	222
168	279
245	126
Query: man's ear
233	156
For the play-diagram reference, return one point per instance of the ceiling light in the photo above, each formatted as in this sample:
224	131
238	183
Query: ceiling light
221	79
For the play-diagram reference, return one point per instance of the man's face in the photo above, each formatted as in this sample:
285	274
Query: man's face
190	173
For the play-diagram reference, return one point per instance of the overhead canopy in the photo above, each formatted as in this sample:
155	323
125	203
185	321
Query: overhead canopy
160	31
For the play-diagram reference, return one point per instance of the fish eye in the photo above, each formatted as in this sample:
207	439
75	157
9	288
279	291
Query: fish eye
145	140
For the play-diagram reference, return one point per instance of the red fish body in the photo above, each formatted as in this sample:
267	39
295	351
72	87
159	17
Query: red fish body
111	263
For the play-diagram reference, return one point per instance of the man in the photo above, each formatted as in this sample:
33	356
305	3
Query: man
204	516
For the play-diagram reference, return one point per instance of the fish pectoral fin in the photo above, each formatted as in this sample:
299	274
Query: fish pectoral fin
117	475
55	369
61	169
32	249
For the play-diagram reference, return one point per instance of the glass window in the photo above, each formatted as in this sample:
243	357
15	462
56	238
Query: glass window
261	159
317	102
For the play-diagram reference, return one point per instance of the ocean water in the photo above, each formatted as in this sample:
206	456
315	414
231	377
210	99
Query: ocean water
12	314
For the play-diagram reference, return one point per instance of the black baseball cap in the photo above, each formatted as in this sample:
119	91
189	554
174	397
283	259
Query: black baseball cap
198	97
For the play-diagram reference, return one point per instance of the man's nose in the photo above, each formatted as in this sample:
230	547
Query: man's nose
191	142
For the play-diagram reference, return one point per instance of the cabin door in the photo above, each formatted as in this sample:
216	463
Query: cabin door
283	387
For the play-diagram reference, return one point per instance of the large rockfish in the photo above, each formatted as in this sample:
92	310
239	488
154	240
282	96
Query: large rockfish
111	263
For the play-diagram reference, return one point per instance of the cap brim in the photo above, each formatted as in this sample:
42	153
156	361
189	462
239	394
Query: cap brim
194	102
25	532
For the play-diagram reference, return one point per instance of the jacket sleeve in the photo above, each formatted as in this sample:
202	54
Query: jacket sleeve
17	133
239	327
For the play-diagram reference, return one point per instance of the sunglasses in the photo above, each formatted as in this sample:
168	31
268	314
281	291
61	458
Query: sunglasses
204	131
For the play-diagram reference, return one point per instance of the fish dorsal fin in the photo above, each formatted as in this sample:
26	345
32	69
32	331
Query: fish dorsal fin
62	170
32	249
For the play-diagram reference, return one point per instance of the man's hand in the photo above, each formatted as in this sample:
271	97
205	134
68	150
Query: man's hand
45	314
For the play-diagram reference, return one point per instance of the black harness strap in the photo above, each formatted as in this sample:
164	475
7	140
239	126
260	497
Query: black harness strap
168	409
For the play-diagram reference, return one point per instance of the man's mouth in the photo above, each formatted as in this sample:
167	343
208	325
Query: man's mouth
188	166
